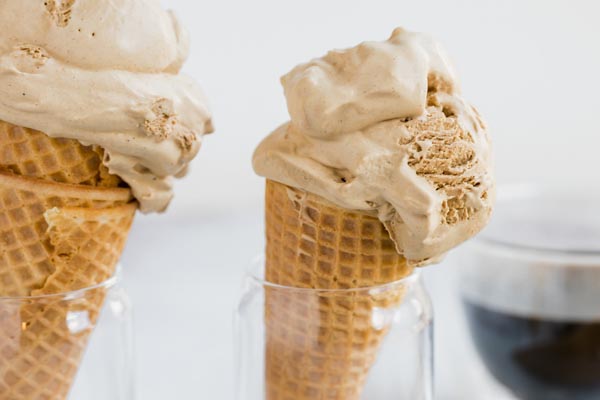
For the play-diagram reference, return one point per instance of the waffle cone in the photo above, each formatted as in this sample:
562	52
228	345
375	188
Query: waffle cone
322	344
63	225
32	153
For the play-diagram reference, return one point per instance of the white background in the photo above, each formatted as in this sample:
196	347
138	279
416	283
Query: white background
531	67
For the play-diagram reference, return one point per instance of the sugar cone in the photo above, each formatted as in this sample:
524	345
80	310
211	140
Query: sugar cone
32	153
321	346
63	225
40	351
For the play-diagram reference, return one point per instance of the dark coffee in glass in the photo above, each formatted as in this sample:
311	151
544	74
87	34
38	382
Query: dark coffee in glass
531	295
538	358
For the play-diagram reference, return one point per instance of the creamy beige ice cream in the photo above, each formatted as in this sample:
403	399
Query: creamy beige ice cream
106	76
382	128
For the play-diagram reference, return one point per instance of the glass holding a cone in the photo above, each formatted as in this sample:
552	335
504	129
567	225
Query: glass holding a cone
383	168
364	184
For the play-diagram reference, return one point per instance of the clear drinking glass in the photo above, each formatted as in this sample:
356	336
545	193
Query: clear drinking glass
75	345
531	291
367	343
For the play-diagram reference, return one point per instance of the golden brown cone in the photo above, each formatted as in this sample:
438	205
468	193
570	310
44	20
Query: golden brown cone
32	153
87	245
63	225
40	362
27	254
321	346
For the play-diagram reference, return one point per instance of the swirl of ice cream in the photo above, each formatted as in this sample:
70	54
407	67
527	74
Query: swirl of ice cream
381	128
106	74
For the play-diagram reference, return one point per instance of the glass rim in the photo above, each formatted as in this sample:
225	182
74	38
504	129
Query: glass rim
531	190
259	262
71	294
578	257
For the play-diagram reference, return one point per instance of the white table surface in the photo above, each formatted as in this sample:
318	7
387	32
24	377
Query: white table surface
183	275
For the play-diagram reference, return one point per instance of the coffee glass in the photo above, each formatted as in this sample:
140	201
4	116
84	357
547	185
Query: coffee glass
75	345
300	337
530	286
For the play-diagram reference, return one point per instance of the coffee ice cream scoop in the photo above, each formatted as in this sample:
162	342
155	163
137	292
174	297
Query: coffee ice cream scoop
106	74
382	128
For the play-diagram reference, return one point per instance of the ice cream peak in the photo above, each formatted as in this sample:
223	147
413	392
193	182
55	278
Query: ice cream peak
381	128
106	74
348	90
